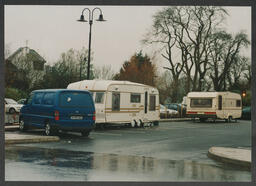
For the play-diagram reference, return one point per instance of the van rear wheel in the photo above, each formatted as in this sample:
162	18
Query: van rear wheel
85	133
48	130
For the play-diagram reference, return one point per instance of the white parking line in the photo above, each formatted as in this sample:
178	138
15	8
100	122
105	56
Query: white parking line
175	128
107	133
133	132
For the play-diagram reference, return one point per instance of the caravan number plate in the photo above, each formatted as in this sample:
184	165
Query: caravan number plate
76	117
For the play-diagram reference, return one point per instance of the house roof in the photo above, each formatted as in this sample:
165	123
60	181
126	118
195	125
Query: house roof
31	55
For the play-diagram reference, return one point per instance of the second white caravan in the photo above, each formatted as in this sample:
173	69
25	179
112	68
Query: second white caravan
122	102
215	105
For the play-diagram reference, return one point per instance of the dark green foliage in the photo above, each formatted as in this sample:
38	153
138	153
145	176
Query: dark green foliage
15	93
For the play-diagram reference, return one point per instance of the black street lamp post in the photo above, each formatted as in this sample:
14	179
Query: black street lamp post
90	23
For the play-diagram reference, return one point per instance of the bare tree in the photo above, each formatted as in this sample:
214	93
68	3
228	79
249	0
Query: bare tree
184	33
226	64
104	72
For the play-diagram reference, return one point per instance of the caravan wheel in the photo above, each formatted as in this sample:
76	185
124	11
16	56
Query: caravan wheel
230	119
139	123
133	123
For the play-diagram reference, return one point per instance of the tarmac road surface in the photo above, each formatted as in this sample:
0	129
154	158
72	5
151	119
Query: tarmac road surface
172	151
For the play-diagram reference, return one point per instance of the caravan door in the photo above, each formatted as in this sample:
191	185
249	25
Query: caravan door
146	103
220	107
152	113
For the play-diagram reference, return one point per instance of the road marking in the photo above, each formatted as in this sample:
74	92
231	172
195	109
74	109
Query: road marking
175	128
132	132
126	131
110	134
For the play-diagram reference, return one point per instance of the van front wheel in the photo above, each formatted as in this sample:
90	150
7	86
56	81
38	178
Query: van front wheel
22	125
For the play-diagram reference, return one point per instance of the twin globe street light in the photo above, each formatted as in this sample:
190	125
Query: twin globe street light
90	23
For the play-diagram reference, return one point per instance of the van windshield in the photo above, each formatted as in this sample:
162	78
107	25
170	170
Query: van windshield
201	102
75	99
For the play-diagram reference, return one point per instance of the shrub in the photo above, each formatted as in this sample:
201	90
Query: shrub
15	93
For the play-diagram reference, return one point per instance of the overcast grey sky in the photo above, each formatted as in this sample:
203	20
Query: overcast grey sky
51	30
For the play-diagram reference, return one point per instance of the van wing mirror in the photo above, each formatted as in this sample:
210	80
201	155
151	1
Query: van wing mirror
26	102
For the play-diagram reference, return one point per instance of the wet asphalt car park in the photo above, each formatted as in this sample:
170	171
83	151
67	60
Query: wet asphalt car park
172	151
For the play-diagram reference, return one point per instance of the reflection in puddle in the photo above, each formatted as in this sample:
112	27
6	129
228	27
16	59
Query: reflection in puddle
39	164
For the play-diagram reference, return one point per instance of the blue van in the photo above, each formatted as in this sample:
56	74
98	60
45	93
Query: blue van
58	109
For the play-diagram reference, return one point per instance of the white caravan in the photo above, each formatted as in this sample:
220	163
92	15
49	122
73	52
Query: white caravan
215	105
122	102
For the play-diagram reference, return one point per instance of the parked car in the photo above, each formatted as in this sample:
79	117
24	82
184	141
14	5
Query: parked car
181	108
58	109
21	101
167	113
11	106
246	113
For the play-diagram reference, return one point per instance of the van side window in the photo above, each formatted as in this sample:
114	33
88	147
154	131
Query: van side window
115	101
92	94
48	98
238	103
38	98
152	102
99	97
30	98
135	98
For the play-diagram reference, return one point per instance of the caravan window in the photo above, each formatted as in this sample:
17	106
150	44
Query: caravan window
152	102
201	102
238	103
99	98
115	101
135	98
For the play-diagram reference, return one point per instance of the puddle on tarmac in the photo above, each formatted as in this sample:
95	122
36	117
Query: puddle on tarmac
40	164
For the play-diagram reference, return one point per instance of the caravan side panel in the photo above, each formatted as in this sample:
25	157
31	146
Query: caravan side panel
119	108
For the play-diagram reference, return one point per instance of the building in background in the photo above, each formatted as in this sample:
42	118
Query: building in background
28	62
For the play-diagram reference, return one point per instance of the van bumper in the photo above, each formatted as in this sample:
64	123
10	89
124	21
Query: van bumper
75	127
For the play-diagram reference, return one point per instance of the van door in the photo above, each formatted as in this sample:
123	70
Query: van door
36	109
26	109
76	109
47	107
